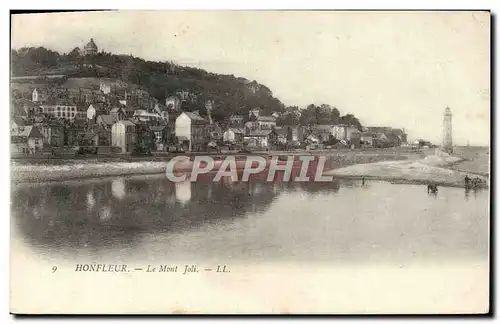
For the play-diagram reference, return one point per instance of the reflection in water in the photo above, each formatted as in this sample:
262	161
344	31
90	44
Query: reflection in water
183	191
90	200
340	220
105	213
118	188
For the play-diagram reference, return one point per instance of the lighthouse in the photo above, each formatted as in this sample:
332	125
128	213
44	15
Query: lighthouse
447	131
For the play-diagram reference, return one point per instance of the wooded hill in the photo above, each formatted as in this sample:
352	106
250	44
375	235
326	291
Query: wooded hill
230	94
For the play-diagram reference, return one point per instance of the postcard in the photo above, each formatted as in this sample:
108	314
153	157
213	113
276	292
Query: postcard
250	162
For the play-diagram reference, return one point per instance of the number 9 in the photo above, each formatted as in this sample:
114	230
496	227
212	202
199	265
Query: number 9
54	269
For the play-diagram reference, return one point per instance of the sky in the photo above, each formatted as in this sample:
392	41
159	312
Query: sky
400	69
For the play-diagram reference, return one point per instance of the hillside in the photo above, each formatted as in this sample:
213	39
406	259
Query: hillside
230	94
70	73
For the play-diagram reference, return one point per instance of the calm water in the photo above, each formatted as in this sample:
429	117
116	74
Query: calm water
148	218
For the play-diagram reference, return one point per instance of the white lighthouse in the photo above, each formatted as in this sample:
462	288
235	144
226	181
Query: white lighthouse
447	131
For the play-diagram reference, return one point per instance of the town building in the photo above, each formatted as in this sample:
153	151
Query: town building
323	133
75	132
123	135
393	137
260	139
282	134
295	134
190	131
105	88
233	136
27	139
162	134
368	139
145	116
236	120
173	103
95	110
53	133
64	110
344	132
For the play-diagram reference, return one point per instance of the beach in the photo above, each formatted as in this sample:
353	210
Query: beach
437	168
394	165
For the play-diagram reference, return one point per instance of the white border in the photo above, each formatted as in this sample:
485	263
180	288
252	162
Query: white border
186	4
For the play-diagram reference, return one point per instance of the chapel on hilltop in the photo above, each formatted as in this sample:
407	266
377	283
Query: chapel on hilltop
90	48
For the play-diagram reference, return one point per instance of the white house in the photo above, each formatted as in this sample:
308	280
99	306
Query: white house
123	135
344	132
94	110
105	88
189	130
233	135
34	96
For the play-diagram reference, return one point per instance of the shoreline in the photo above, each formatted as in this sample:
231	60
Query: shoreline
433	169
403	169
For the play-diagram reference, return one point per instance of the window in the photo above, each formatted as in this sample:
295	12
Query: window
36	141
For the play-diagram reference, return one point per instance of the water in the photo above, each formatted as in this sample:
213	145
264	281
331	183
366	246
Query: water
147	218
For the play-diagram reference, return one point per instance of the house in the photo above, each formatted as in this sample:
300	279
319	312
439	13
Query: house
294	133
255	112
368	139
75	132
123	135
107	121
16	124
118	113
28	140
162	111
214	132
105	88
129	110
282	134
53	133
95	136
236	120
95	110
262	123
344	132
264	139
23	107
173	103
266	122
395	136
323	133
163	134
39	96
190	131
382	140
145	116
233	136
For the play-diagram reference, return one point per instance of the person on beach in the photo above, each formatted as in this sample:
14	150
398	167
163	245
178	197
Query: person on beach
362	180
432	188
467	181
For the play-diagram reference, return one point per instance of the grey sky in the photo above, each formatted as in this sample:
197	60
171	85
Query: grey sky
388	68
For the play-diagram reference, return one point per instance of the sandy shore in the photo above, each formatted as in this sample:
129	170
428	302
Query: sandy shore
40	173
437	169
394	166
